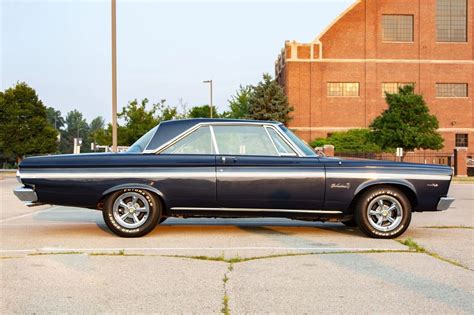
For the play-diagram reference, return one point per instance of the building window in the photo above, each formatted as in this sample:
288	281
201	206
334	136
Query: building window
343	89
392	87
451	20
461	140
451	90
397	28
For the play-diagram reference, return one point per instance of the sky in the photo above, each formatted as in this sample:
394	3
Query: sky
165	49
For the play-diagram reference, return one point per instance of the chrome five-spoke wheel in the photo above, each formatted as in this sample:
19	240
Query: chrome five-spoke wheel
384	213
131	210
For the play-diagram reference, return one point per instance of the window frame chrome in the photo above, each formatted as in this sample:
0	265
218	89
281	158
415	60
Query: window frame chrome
192	129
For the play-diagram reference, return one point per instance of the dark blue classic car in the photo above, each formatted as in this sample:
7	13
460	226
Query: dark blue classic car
234	168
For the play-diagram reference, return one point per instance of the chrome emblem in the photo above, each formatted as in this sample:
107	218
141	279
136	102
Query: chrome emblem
341	186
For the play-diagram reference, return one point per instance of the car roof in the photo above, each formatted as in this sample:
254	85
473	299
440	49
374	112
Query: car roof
170	129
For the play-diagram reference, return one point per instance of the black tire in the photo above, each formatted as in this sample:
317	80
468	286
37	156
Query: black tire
136	223
350	223
375	204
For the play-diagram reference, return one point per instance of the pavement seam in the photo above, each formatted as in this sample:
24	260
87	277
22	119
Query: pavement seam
225	299
415	247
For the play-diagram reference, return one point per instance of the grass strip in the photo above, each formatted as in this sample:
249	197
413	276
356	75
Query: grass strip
414	246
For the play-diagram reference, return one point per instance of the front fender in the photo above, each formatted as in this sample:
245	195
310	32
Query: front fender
373	182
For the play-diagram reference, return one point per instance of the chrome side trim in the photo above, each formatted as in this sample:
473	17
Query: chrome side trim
381	175
214	141
257	210
25	194
271	140
98	173
18	176
245	172
444	203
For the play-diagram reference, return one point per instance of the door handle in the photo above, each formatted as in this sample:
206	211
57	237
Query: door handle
228	159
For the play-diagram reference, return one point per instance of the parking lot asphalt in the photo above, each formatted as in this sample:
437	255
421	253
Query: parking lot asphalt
60	259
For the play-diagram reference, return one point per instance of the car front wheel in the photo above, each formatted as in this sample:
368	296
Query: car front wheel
132	212
383	212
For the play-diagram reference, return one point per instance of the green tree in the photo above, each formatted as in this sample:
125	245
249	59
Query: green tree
203	111
354	141
406	123
137	120
76	127
95	128
269	102
24	128
239	104
54	118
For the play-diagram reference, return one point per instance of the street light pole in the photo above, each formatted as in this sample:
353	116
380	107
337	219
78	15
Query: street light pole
114	78
210	85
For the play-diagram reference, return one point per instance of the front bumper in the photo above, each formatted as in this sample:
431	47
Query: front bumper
444	203
25	194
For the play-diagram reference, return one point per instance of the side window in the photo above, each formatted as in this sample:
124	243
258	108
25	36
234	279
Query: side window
243	140
198	142
282	147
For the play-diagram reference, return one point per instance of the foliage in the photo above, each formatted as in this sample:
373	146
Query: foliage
24	128
54	118
203	111
137	119
239	104
354	140
95	128
406	123
77	127
269	102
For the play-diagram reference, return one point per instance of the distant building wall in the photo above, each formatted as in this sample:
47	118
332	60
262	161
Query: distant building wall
353	50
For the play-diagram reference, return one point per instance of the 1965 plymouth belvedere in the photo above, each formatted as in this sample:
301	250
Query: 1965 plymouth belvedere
234	168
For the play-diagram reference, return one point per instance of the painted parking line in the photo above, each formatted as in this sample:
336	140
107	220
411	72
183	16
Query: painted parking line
27	214
159	249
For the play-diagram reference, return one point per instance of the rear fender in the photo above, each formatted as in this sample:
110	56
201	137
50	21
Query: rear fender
137	186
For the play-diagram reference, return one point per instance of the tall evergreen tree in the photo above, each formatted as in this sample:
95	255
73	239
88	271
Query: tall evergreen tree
239	104
407	123
269	102
24	128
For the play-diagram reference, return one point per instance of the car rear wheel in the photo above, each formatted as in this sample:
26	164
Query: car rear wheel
383	212
132	212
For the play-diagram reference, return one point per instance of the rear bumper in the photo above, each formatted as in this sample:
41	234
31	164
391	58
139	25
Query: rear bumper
25	194
444	203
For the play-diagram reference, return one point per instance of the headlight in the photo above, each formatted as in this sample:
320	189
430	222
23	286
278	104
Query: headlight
18	177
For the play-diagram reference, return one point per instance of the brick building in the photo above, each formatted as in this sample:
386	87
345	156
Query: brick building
337	81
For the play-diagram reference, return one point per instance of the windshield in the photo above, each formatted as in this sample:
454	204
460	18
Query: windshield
303	146
140	145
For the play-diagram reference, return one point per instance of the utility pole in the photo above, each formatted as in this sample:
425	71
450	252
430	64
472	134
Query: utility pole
210	86
114	77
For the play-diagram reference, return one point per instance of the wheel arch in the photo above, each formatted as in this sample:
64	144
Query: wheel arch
149	188
404	186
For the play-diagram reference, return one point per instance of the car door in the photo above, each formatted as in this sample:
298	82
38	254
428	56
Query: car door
190	180
257	169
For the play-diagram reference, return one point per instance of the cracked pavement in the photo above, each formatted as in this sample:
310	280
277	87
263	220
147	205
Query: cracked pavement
303	267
